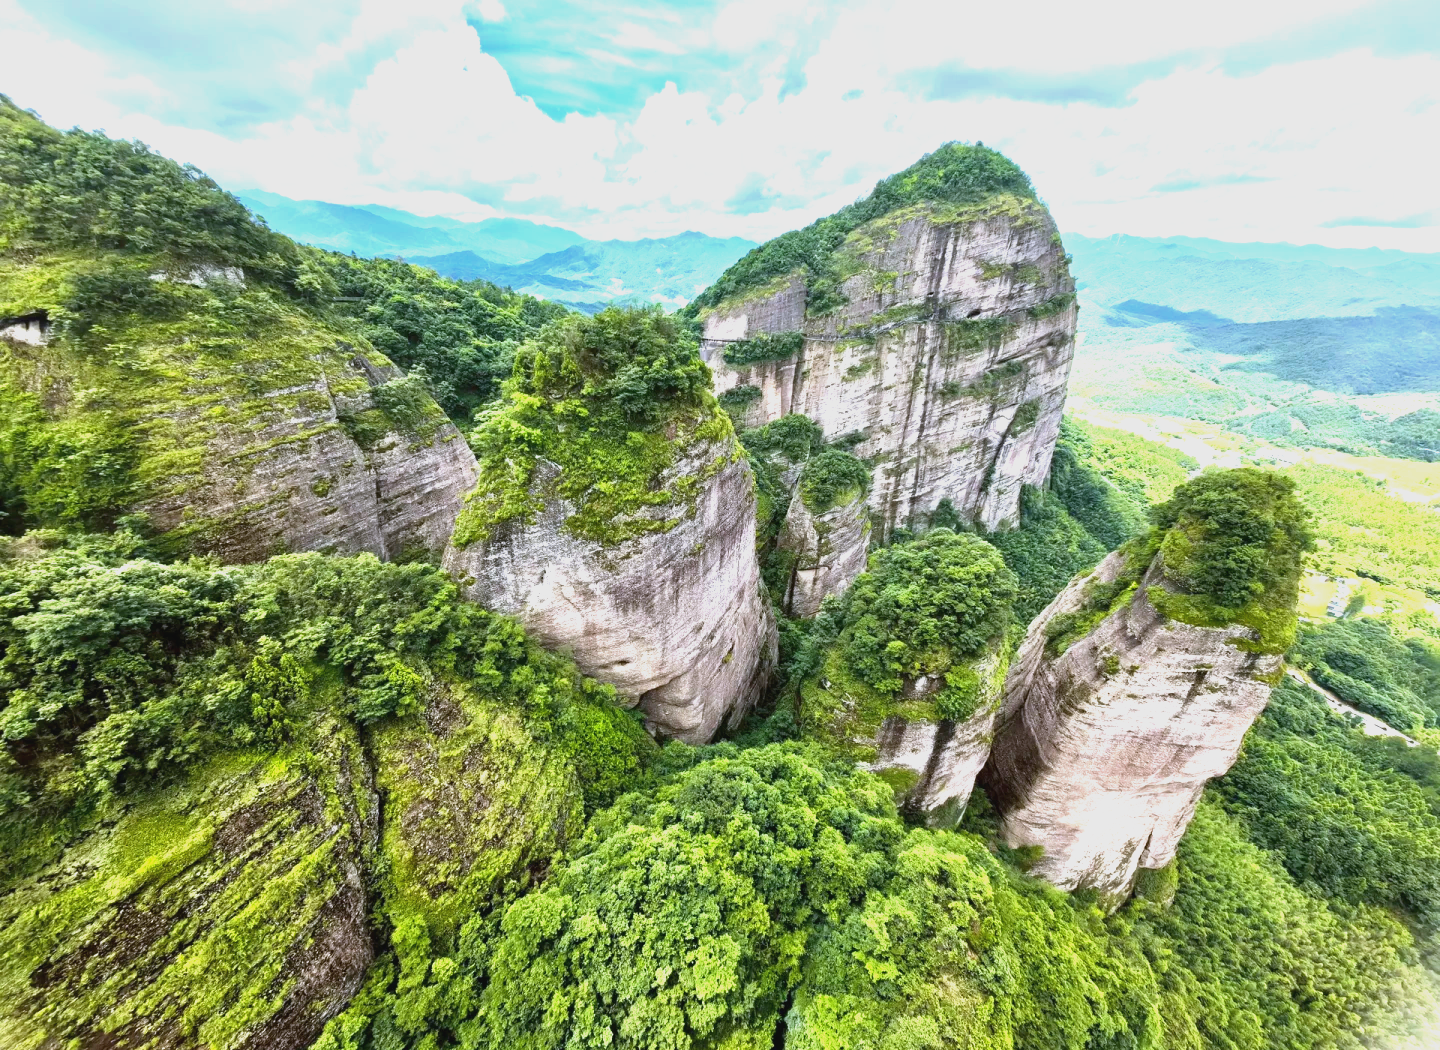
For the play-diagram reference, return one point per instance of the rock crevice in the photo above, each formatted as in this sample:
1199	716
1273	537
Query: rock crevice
950	355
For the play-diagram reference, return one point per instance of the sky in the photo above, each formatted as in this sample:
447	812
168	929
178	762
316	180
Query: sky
1243	120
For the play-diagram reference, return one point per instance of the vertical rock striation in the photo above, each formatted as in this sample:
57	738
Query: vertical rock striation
616	520
1137	684
286	440
934	760
828	550
1107	747
950	353
325	468
676	620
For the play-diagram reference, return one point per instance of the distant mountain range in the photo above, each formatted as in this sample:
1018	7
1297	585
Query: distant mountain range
1193	277
1300	345
546	261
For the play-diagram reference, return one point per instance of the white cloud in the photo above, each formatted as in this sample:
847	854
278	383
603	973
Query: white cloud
437	126
490	11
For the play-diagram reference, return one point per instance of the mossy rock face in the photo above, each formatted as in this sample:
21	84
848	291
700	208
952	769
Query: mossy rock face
227	911
227	416
244	907
475	810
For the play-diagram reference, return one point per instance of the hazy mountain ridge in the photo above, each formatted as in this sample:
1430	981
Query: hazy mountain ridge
1251	283
543	260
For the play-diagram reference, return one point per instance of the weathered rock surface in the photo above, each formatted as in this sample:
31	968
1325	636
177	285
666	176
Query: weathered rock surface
245	453
235	910
322	468
230	912
829	551
676	620
33	328
944	756
473	808
1103	752
951	356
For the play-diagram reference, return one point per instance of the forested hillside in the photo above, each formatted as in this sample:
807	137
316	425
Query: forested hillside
303	794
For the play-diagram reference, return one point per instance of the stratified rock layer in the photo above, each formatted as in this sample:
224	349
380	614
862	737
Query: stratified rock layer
951	355
327	471
829	551
298	443
676	620
1103	751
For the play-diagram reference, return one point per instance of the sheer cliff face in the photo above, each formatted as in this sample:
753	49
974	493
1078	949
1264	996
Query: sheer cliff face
676	620
951	355
1103	751
297	442
327	471
829	550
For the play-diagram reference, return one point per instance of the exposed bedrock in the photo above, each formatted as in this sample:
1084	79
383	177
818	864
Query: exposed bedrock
933	761
676	620
828	548
1103	750
325	468
951	355
287	445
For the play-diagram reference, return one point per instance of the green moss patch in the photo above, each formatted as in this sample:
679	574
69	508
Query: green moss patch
475	809
194	911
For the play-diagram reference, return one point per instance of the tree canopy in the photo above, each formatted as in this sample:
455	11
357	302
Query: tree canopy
956	173
1234	535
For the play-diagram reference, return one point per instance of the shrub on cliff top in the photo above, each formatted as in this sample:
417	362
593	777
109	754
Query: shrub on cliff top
922	606
956	173
611	400
931	607
1235	535
829	476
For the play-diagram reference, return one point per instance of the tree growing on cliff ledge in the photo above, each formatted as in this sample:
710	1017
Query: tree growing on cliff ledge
1235	536
610	400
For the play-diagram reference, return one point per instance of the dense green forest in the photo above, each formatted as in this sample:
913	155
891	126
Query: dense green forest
208	768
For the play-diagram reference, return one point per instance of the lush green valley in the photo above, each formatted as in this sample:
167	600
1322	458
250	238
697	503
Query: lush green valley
266	796
1296	347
